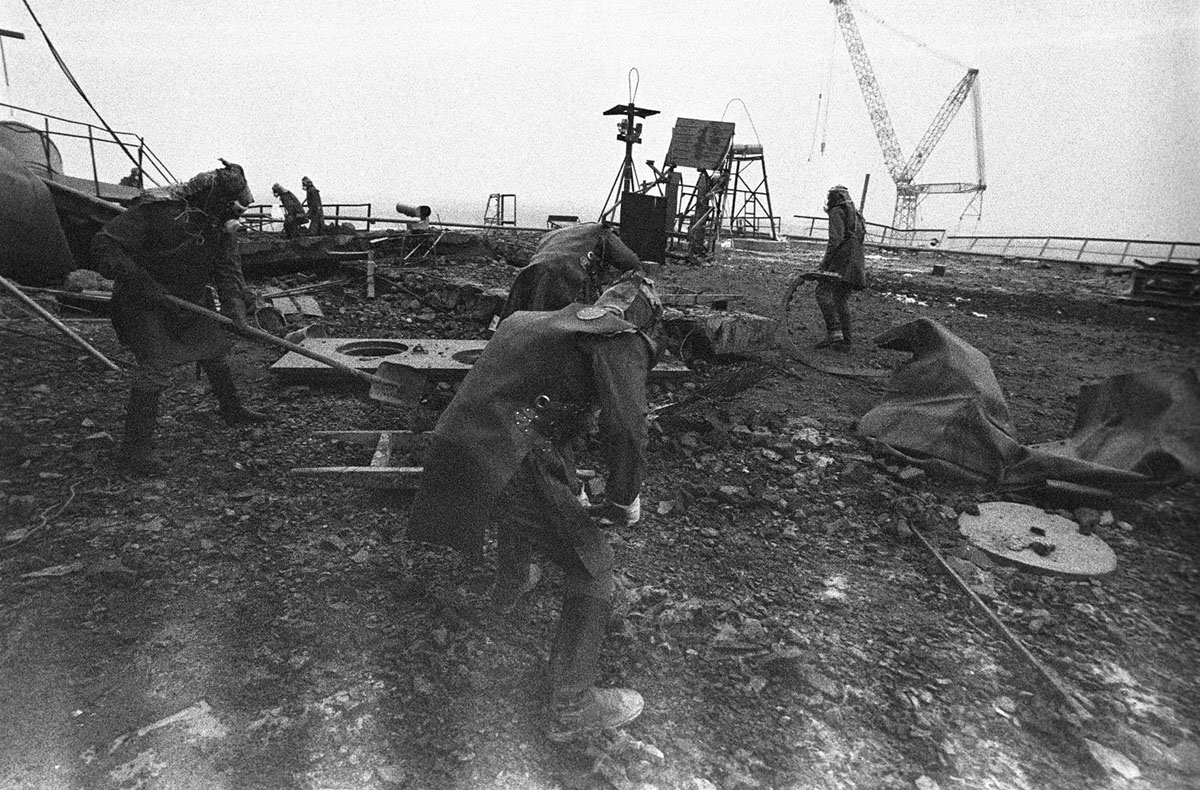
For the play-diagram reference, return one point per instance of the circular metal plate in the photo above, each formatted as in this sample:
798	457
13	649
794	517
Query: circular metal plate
371	348
590	313
1030	536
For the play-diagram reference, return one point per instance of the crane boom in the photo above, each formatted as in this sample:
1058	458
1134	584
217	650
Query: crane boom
903	172
880	119
941	121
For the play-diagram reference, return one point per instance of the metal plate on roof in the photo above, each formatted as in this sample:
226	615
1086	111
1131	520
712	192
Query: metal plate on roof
441	359
1030	536
699	144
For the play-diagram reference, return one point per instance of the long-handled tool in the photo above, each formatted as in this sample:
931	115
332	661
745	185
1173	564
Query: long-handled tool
398	385
42	312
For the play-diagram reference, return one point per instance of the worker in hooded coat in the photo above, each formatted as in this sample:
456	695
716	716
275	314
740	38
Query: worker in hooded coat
176	240
843	268
316	210
293	211
498	451
569	265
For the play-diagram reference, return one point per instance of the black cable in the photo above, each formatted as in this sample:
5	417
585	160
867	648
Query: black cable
75	83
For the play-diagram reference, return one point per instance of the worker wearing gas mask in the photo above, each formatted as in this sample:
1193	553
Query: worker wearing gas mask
316	209
843	269
499	452
175	240
569	265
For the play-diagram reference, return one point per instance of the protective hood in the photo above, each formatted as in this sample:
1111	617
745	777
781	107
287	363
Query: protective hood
838	195
633	298
212	189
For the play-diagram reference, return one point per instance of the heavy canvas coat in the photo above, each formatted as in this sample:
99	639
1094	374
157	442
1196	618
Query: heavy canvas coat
492	424
566	268
844	249
185	251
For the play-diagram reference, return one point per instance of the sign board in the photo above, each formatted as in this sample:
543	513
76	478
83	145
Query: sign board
699	144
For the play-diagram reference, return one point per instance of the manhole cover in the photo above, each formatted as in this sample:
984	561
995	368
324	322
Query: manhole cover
467	357
371	348
1031	536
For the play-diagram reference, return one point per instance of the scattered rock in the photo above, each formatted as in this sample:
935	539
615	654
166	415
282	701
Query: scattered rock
1112	762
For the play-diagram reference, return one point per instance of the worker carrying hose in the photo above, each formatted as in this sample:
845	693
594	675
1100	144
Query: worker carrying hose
569	265
175	240
499	451
843	268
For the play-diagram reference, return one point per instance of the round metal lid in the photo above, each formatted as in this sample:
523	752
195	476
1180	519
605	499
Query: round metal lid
1030	536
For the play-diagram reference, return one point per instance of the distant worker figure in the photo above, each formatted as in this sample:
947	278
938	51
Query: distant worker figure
293	211
177	240
570	264
708	190
843	269
498	452
134	179
316	214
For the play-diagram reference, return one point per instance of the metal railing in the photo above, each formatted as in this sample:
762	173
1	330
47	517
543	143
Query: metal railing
1116	253
1119	253
149	164
258	216
877	235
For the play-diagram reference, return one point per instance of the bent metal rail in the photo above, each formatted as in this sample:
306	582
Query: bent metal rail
1115	253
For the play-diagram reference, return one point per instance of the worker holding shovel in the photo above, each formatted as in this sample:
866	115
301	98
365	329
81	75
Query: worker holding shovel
175	241
499	452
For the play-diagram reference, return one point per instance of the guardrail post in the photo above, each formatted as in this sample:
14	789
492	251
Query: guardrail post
46	146
92	152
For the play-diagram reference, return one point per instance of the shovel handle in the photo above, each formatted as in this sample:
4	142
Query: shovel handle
266	337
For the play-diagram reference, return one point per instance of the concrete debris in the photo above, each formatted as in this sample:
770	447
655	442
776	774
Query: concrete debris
1112	762
699	333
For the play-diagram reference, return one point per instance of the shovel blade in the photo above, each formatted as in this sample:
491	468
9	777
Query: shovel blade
402	384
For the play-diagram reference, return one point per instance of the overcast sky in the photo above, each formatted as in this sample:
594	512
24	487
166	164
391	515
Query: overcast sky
1091	108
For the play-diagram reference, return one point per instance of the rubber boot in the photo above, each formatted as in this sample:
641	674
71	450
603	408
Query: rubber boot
577	707
843	310
232	410
141	418
516	574
832	339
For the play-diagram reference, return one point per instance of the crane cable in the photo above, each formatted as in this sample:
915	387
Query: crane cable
821	121
74	83
911	39
748	118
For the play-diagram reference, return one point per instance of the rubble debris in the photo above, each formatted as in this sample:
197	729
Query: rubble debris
700	333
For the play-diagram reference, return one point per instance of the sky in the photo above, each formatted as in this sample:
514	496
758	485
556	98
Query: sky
1090	108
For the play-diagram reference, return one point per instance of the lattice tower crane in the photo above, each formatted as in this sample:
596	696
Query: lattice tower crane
903	172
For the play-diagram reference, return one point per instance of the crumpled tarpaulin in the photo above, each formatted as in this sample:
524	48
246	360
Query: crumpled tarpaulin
945	413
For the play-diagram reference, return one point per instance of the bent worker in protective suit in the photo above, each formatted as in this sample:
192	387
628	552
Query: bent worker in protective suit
293	212
176	240
503	440
569	265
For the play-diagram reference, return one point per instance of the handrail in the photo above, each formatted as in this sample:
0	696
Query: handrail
145	155
1096	251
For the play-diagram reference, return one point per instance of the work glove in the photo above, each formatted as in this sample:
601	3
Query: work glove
611	514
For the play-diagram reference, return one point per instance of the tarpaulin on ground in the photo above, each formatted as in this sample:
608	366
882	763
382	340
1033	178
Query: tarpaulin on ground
33	249
945	412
